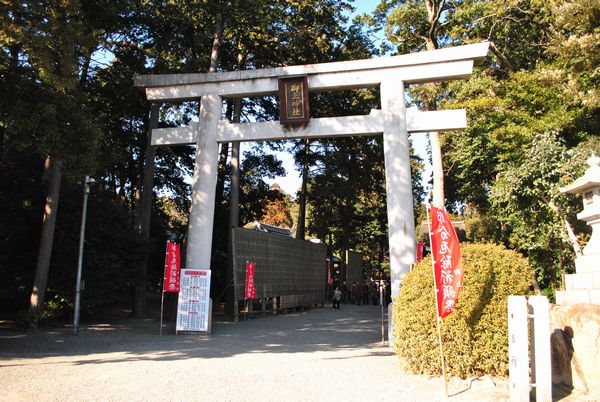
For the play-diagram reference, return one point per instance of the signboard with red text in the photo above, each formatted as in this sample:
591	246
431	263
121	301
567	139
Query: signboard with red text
193	307
250	292
172	265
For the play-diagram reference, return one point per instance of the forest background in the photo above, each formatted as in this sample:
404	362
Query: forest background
67	111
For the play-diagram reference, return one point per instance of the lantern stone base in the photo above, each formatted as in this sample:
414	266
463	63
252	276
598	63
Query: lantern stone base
584	286
582	296
587	263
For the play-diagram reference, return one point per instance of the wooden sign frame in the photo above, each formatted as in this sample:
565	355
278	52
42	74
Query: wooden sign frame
293	100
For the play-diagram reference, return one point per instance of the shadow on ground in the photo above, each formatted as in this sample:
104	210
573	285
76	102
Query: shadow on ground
300	332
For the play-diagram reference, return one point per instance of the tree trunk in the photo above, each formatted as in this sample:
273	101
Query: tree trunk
302	202
344	250
434	9
221	173
145	214
535	285
567	229
234	202
85	67
216	46
234	211
502	57
40	281
139	185
437	169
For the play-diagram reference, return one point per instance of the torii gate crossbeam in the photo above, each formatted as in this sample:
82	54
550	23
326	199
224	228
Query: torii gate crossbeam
390	74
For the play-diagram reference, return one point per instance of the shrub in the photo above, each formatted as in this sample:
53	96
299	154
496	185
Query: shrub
475	334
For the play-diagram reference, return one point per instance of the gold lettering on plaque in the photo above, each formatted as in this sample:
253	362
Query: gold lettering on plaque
295	108
293	100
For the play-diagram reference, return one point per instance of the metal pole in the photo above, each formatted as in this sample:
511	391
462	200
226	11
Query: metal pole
382	318
86	192
379	258
162	302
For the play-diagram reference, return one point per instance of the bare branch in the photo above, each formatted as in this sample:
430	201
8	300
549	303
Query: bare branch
503	59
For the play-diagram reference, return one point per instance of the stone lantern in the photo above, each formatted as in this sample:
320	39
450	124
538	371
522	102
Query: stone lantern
584	286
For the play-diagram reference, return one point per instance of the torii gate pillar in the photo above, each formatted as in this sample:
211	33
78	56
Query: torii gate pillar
393	120
398	187
204	185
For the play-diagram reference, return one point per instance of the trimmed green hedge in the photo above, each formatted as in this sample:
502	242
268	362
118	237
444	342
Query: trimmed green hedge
475	334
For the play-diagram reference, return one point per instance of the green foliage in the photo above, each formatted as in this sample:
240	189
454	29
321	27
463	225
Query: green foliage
346	185
21	199
112	252
527	201
112	249
475	334
256	194
66	75
56	310
530	86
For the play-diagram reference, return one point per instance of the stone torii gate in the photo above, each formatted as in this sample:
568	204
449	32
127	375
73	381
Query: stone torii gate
393	120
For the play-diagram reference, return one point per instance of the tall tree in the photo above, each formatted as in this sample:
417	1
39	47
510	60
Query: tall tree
49	49
415	25
533	92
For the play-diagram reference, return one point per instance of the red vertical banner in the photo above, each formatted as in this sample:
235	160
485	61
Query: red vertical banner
420	249
329	278
250	292
448	265
172	267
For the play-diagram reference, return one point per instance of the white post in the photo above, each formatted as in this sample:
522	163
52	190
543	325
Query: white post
398	182
204	183
541	344
518	349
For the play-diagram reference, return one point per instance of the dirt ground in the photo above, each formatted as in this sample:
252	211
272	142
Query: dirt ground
314	355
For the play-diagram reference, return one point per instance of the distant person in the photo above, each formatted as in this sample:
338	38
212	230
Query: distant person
365	294
375	292
337	296
344	293
359	293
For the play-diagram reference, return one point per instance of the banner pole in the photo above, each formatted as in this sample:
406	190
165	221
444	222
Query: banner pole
162	298
382	318
437	309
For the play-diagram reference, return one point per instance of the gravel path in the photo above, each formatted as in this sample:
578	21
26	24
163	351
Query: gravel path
315	355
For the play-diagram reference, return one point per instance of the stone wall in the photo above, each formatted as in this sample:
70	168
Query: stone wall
295	271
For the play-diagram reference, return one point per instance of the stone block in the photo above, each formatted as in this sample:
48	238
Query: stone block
587	263
595	297
579	281
571	297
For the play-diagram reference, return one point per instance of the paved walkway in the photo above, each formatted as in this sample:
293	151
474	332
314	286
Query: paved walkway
315	355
